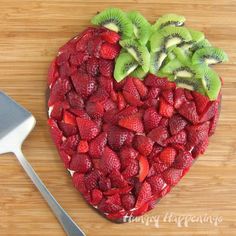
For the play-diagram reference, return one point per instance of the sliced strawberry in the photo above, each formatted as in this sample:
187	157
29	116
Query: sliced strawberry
121	101
213	122
188	110
84	84
104	184
168	155
144	194
80	163
113	191
57	110
82	146
78	181
168	96
68	129
79	58
96	146
94	46
159	135
106	67
142	89
188	94
69	145
95	109
65	158
176	124
132	100
209	111
91	179
68	118
116	137
99	96
110	36
109	51
96	196
92	66
88	129
59	90
84	38
172	176
110	160
131	169
200	148
127	154
133	123
154	81
56	133
110	205
151	119
75	100
153	92
201	101
179	97
128	201
143	144
130	87
117	179
53	73
198	133
143	168
165	108
179	138
157	183
183	160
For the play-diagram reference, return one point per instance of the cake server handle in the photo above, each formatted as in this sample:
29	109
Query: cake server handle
65	220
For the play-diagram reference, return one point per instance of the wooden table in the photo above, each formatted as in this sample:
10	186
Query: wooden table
30	33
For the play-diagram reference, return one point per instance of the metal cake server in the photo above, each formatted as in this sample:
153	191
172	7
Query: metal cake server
15	125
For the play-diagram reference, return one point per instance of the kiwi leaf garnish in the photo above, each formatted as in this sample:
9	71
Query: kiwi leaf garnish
166	49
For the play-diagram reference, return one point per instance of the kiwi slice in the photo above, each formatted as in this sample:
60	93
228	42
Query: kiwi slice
138	51
139	73
178	69
125	64
209	55
197	36
201	44
157	58
168	37
114	19
211	82
168	20
141	27
193	84
181	55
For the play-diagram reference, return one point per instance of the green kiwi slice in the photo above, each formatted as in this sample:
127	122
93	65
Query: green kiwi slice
114	19
139	52
168	37
178	69
209	55
156	61
211	82
193	84
141	27
139	73
125	64
181	55
168	20
201	44
197	36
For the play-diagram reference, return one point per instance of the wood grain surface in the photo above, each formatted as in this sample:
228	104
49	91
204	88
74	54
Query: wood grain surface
30	34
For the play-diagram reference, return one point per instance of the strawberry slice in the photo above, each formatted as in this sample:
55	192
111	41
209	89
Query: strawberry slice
96	146
133	123
143	144
189	111
172	176
109	51
110	36
179	138
83	146
106	67
116	137
183	160
110	160
201	101
142	89
131	169
157	183
96	196
165	108
209	111
143	168
88	129
151	119
69	118
176	124
159	135
128	201
53	73
80	163
168	96
154	81
168	155
179	97
144	194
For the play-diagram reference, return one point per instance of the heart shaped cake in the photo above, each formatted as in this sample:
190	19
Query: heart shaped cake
131	106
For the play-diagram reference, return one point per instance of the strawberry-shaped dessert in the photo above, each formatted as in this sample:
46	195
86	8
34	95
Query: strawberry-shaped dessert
131	106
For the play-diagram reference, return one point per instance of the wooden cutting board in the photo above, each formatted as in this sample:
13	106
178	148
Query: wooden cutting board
30	33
